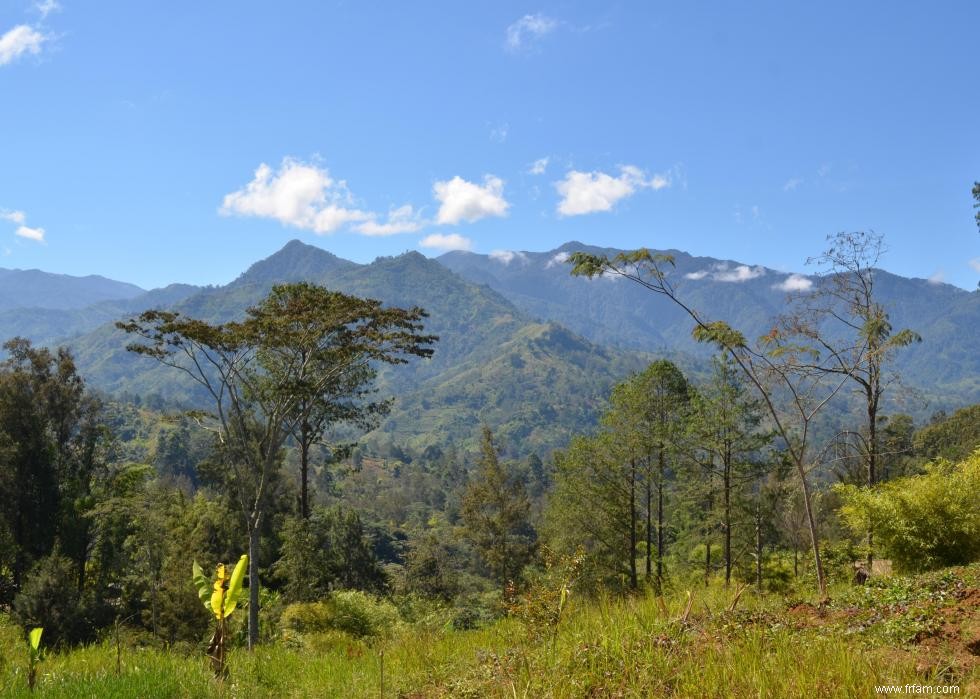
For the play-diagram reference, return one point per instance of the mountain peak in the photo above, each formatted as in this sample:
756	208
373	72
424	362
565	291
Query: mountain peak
295	261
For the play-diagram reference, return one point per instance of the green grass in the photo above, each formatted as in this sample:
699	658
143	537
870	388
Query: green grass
603	648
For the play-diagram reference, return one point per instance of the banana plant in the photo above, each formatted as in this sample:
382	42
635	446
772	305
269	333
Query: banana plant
34	655
220	598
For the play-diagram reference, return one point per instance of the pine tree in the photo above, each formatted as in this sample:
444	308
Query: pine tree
495	516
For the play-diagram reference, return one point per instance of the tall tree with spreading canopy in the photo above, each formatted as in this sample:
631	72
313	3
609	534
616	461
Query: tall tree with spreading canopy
318	332
297	345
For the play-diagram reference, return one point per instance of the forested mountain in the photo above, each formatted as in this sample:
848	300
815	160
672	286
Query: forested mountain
608	311
524	346
32	288
534	382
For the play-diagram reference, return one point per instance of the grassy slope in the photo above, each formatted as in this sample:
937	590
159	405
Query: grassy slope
895	631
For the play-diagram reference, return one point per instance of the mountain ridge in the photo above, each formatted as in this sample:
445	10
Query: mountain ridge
524	346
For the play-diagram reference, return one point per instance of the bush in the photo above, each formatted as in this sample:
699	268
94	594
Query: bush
355	613
360	614
922	522
307	617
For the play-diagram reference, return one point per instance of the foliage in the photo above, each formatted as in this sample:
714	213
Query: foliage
51	447
48	599
34	655
328	551
428	569
924	521
220	599
542	604
953	438
495	513
223	596
351	611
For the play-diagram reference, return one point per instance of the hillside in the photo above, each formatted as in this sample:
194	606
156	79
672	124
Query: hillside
524	346
534	383
611	311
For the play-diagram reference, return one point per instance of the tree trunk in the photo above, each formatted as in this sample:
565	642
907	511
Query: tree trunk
811	524
660	522
649	513
253	582
758	546
872	462
728	515
707	562
632	539
304	470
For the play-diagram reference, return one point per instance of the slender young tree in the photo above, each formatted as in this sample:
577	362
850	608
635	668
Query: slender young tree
850	329
256	378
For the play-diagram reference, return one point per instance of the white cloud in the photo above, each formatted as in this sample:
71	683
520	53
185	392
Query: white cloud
559	259
507	256
461	200
794	282
937	277
299	195
975	264
46	7
539	166
792	183
404	219
19	218
527	29
741	273
18	41
590	192
30	233
452	241
721	272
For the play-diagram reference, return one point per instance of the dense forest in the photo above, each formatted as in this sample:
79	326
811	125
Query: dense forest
765	470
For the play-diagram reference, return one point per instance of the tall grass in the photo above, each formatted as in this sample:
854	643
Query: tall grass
609	647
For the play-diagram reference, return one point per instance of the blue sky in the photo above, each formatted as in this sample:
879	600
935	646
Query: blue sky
161	142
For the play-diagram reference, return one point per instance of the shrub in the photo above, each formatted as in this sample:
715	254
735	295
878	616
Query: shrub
307	617
360	614
355	613
50	598
922	522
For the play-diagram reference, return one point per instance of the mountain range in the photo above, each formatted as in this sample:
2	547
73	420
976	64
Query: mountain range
524	347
